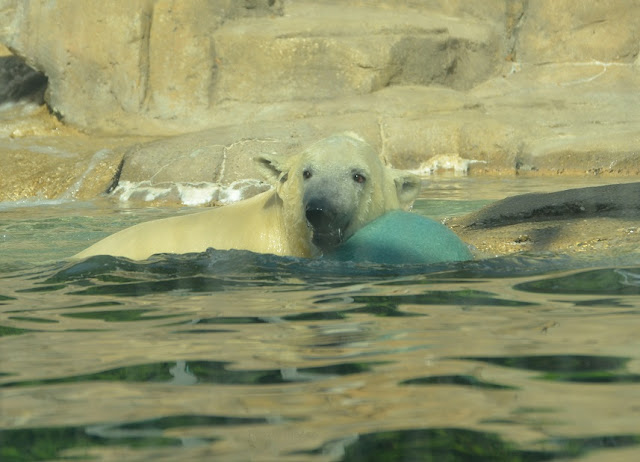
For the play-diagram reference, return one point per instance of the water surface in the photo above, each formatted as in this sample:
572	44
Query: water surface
238	356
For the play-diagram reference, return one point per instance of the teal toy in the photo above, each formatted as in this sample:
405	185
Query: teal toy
403	238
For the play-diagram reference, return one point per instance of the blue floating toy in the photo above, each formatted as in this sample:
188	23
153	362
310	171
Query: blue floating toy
403	238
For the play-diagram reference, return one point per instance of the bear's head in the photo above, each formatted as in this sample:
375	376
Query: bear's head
335	187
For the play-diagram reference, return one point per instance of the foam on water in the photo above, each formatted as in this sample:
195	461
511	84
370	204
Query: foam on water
447	163
188	193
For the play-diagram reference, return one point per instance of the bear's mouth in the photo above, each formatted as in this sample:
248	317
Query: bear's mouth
327	234
327	241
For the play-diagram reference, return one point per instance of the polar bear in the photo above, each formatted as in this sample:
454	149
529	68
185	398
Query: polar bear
320	197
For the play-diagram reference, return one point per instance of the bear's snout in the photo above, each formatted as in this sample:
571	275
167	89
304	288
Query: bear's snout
326	225
319	218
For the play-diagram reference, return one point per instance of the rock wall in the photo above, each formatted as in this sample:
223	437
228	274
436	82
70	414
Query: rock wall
109	63
501	86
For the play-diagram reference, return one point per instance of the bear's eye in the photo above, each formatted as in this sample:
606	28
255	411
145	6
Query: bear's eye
359	178
306	174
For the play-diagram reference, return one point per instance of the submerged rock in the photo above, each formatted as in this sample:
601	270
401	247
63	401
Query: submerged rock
602	218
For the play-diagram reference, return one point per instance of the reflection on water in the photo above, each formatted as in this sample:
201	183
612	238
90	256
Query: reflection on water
192	372
238	356
453	444
611	281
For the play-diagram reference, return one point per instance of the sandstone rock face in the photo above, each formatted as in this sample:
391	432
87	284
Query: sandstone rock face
566	31
368	49
118	59
495	87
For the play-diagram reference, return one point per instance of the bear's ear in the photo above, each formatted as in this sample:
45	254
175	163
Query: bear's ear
407	187
273	167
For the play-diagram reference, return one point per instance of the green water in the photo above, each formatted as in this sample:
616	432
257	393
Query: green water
238	356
